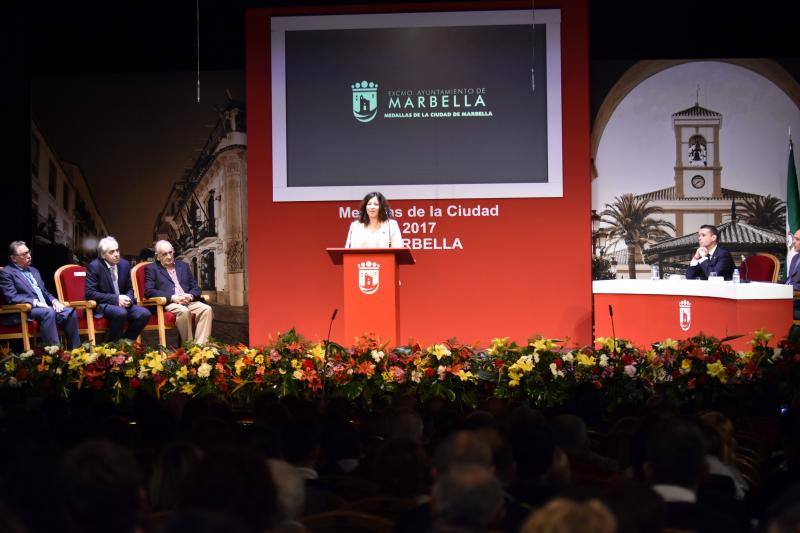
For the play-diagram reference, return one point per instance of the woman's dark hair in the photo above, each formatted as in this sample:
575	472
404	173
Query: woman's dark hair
384	213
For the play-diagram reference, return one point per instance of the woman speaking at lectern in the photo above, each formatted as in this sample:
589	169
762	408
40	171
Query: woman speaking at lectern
375	227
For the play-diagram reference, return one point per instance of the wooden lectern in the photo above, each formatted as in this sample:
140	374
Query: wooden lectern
371	290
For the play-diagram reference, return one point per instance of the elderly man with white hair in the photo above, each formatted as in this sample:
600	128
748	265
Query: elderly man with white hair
108	282
174	281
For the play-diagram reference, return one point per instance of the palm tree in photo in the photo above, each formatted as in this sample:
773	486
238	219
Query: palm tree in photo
766	212
631	221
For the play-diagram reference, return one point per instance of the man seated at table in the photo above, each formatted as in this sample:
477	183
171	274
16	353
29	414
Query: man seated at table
793	277
710	258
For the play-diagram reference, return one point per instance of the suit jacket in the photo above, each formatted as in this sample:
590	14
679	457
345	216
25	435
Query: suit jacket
720	262
100	286
18	290
793	278
158	283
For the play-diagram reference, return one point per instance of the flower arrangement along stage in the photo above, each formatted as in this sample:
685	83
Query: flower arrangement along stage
543	372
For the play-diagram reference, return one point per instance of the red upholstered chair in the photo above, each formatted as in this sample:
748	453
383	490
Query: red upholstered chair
161	320
24	330
760	267
71	288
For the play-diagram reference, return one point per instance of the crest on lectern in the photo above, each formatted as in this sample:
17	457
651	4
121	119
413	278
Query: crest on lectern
369	277
685	314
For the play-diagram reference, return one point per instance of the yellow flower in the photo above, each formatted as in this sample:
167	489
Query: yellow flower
745	356
155	361
439	350
466	376
669	343
106	351
317	352
542	345
10	366
297	374
717	370
239	365
524	363
296	364
204	370
585	360
259	359
498	346
182	373
686	365
130	373
187	388
387	376
761	336
605	342
46	359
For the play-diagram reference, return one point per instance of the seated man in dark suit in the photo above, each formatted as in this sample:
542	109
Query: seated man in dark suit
793	275
173	280
22	284
108	282
710	257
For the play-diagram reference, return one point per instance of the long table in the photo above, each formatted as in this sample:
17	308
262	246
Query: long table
647	311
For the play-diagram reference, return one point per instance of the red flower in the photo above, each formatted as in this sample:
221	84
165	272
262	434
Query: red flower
158	378
135	383
429	372
223	359
499	363
308	364
690	384
627	359
183	358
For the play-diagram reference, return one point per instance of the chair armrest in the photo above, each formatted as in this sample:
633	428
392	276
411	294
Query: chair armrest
81	304
205	298
15	308
796	294
155	300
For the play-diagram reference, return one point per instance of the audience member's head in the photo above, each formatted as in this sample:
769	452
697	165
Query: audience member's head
234	480
301	442
676	454
534	450
718	430
169	473
567	516
786	513
401	469
462	448
101	488
569	432
406	423
203	521
467	496
637	507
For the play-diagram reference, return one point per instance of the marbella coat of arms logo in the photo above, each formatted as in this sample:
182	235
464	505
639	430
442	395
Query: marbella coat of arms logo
369	277
685	314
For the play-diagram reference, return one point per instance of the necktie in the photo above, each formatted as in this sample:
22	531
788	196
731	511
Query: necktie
37	290
114	279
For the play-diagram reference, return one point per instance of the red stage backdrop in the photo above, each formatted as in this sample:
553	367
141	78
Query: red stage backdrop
486	267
